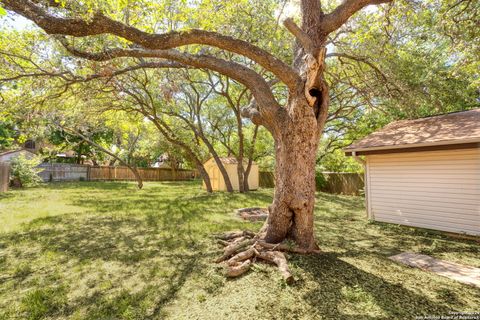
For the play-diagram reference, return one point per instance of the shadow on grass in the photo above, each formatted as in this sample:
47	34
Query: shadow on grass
124	239
151	243
347	292
86	242
147	303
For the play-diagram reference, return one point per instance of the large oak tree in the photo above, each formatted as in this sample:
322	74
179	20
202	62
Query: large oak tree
295	125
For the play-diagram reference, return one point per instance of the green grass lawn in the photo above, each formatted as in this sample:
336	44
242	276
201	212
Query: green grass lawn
109	251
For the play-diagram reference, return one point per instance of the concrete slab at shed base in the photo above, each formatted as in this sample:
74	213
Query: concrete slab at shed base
466	274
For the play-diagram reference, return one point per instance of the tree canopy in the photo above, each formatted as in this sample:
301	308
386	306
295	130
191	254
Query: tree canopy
205	75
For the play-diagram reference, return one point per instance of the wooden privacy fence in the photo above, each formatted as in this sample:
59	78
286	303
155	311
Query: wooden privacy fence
76	172
4	176
266	179
147	174
331	182
63	172
343	183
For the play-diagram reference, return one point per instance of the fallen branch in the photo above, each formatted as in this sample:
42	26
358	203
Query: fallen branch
243	248
234	248
235	234
285	247
279	259
242	256
238	270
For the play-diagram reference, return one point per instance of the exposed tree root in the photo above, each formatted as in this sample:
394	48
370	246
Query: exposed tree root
243	248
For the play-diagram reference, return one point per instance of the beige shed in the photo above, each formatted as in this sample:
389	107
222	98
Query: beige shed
424	172
230	164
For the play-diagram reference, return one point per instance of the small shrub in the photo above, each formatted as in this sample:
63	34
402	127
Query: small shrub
25	171
320	181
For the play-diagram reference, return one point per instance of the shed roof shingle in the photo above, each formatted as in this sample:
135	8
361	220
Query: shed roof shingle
14	151
451	128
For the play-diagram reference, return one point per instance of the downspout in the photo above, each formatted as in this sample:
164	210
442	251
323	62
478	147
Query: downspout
365	179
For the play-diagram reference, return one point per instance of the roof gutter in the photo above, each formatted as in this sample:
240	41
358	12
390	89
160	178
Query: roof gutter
358	159
413	145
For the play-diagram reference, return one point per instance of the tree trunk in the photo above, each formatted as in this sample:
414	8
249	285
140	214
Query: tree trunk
291	213
241	176
136	174
216	158
206	179
199	132
223	171
246	186
240	170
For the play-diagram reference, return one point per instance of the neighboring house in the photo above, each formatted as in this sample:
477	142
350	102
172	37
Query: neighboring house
69	156
425	172
7	156
230	164
162	162
161	165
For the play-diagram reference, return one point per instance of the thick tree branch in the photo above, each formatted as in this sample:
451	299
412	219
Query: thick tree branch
302	37
343	12
107	73
101	24
260	89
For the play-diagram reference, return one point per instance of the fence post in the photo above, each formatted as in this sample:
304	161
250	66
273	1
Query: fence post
4	176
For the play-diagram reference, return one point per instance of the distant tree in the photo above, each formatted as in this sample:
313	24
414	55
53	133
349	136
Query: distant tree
7	134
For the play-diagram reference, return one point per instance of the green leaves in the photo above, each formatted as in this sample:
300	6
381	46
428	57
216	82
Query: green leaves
3	12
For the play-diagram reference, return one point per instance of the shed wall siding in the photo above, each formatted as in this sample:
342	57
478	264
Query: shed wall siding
216	177
436	189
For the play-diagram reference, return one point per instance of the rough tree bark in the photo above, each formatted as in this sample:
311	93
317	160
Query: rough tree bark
295	127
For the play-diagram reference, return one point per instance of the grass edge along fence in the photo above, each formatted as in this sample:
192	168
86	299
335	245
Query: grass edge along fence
332	182
79	172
